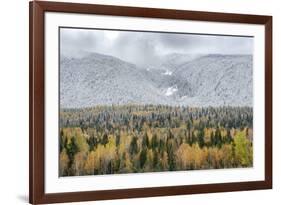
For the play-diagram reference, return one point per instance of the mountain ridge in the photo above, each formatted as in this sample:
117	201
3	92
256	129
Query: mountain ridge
202	80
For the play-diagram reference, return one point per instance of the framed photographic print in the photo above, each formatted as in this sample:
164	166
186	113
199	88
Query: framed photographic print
139	102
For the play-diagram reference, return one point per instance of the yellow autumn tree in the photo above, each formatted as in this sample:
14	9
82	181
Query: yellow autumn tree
78	163
183	156
164	161
98	160
200	156
108	158
63	165
80	140
227	155
90	163
214	156
243	150
126	165
149	160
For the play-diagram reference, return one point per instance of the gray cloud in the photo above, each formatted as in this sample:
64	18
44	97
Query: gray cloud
144	48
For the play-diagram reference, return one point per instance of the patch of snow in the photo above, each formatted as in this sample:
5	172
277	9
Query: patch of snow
171	90
167	72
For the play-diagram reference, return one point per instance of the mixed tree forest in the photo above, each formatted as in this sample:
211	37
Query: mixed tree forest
153	138
136	102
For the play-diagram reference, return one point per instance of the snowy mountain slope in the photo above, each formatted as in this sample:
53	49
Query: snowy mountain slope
100	79
162	73
211	80
174	60
216	80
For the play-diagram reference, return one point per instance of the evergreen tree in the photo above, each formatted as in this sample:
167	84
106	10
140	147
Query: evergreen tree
134	146
104	140
193	138
228	138
71	149
117	140
171	155
154	142
201	142
155	159
145	141
92	142
218	138
143	157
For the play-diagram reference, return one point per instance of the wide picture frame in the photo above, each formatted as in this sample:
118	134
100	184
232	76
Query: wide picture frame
130	102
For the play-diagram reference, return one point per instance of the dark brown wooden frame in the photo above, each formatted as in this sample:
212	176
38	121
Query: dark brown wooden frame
36	100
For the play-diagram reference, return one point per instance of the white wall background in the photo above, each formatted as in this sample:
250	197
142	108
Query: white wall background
14	100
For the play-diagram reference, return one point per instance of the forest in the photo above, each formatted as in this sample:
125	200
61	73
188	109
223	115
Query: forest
120	139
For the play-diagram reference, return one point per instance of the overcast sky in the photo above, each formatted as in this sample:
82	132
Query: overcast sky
143	48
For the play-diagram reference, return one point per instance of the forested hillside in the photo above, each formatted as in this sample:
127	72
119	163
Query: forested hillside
152	138
197	81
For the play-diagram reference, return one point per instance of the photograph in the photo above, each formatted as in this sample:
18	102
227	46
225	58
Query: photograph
149	101
143	101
